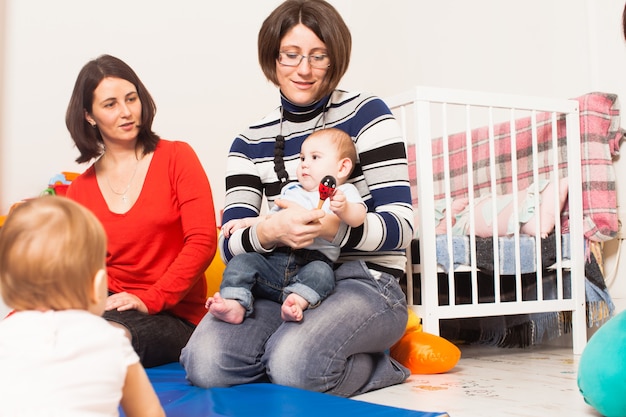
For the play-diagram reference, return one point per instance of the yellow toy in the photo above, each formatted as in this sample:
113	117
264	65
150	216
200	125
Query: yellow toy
213	273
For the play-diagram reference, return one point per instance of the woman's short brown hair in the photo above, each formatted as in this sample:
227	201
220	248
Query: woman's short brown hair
327	24
87	138
50	251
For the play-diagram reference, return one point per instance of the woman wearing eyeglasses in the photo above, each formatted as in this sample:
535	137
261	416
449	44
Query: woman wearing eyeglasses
339	347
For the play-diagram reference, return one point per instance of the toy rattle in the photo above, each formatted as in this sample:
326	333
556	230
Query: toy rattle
326	189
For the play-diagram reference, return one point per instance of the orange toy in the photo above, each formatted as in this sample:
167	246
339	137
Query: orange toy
424	353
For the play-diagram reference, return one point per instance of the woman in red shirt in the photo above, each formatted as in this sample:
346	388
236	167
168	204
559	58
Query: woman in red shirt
154	200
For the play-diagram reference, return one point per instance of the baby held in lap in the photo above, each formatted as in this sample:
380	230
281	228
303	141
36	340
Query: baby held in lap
310	270
506	224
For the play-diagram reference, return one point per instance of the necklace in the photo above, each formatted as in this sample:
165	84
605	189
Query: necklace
279	147
124	193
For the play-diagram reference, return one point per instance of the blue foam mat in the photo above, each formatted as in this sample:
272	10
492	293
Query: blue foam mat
180	399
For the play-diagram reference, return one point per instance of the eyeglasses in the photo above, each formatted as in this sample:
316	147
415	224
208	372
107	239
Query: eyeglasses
292	59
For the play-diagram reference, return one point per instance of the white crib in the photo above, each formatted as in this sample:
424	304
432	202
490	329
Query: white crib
434	121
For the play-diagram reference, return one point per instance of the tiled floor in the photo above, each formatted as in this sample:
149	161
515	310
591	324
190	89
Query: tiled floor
495	382
490	382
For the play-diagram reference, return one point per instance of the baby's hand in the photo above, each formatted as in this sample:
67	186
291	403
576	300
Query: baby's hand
338	202
231	226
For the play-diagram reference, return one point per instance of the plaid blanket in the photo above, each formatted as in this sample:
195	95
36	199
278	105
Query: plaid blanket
601	136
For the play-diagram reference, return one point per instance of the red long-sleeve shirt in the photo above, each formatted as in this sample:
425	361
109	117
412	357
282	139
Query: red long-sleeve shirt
159	249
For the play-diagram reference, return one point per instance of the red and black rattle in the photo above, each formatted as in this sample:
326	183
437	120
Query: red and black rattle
326	189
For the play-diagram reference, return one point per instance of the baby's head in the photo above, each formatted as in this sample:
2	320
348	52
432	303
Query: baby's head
326	152
52	257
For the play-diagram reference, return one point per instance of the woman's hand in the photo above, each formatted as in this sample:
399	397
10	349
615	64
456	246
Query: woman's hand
292	226
123	301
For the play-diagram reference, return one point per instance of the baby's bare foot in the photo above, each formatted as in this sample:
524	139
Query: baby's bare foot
293	308
225	309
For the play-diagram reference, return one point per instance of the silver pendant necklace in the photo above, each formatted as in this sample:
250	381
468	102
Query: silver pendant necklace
123	194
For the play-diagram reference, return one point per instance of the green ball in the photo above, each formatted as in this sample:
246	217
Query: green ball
602	368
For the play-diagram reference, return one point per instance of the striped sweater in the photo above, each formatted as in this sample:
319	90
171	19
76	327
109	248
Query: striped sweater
381	175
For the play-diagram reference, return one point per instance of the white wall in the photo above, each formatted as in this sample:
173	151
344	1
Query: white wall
198	59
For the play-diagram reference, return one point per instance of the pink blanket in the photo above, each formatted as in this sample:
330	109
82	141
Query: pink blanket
601	136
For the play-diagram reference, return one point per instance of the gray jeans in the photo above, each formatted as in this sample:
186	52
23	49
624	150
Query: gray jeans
338	347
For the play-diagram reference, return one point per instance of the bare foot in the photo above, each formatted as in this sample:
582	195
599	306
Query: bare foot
293	307
225	309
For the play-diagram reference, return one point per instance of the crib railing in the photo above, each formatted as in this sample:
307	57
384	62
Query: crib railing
477	145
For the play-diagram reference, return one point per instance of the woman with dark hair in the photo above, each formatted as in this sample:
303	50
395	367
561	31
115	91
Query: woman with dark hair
154	200
339	347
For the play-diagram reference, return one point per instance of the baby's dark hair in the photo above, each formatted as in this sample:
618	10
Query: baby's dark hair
343	141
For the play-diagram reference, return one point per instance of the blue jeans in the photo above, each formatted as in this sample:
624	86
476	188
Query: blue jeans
338	347
273	276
